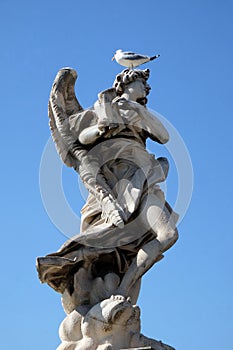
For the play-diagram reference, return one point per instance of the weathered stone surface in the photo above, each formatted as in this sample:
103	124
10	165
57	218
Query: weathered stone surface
127	224
113	323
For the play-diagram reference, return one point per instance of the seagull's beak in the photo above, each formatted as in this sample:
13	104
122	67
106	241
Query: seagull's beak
113	58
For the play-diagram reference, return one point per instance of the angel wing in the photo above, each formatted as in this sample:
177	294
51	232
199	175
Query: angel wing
62	104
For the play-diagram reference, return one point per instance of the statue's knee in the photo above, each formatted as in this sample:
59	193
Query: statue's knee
168	239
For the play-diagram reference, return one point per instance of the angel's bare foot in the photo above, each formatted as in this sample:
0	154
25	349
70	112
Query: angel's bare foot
117	297
120	297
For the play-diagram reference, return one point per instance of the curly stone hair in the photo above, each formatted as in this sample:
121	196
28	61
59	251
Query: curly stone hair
127	76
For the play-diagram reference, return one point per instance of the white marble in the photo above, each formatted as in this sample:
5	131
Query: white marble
127	225
113	323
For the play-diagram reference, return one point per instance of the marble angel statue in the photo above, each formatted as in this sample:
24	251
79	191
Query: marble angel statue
126	224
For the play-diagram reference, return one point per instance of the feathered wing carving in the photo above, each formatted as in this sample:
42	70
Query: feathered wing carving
62	104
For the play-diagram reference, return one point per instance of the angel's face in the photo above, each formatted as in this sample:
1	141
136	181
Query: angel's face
137	90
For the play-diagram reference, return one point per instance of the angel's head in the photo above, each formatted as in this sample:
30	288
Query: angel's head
133	84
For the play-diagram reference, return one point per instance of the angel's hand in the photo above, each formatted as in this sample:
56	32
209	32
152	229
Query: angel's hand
113	130
129	105
112	211
104	126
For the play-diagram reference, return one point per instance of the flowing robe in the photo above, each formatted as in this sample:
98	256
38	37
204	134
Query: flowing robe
131	173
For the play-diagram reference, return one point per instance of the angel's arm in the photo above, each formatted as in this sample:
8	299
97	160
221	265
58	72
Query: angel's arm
90	135
148	122
156	130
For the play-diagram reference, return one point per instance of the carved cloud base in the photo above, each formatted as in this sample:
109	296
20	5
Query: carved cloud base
112	324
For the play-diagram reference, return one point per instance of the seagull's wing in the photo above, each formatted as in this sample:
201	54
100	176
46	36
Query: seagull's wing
130	53
62	104
137	57
134	56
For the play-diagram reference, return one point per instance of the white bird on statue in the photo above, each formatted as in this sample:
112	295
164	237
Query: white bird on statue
131	59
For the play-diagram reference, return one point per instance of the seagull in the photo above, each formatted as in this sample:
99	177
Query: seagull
130	59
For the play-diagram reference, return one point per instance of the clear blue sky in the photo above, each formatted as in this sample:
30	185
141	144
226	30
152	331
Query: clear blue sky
186	299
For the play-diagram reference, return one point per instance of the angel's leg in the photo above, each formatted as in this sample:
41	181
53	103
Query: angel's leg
145	259
161	224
